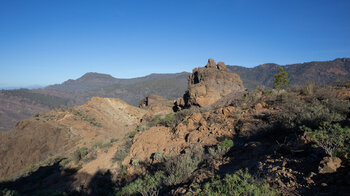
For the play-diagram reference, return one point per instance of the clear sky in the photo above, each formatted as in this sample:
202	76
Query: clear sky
49	41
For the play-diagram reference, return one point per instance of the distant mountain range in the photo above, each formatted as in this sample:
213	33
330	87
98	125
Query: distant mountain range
318	72
19	104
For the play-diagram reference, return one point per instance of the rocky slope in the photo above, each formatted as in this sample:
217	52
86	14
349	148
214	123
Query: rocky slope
60	132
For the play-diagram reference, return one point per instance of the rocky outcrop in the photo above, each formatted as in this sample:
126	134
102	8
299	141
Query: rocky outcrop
329	165
157	105
221	66
211	64
209	84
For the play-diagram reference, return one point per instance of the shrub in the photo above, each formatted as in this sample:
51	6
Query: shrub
97	144
90	156
216	153
64	163
185	122
142	128
155	121
181	168
330	137
48	193
149	185
322	105
168	120
79	154
308	89
158	156
239	183
135	162
226	144
181	115
122	152
132	134
8	192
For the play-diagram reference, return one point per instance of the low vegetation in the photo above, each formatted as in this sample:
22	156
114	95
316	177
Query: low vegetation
330	137
179	169
146	186
122	152
239	183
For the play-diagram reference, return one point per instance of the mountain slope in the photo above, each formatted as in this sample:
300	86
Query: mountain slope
92	81
60	132
320	73
171	87
20	104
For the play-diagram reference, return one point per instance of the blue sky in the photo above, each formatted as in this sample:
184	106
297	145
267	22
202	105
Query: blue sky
49	41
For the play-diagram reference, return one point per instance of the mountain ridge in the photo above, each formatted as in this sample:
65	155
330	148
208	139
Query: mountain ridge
318	72
21	104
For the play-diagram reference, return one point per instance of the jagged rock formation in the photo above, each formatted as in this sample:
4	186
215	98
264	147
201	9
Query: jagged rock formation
209	84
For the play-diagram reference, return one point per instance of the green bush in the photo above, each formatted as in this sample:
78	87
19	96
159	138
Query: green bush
135	162
322	105
79	154
182	167
239	183
132	133
97	144
122	152
330	137
217	152
226	144
168	120
65	162
155	121
8	192
158	156
48	193
148	185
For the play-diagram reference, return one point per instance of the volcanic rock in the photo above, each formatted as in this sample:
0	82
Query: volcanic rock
329	165
221	66
211	64
207	85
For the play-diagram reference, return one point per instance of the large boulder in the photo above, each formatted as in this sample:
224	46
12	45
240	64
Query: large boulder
207	85
329	165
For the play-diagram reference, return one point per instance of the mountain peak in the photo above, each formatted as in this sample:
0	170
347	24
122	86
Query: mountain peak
92	75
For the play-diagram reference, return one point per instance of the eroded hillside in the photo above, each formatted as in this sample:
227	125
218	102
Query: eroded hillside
60	132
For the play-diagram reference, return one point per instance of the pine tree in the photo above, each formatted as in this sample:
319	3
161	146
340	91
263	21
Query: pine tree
280	80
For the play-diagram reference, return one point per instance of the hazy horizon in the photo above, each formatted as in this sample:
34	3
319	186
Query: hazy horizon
49	42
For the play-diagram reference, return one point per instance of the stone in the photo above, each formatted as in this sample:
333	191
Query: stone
221	66
211	63
329	165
